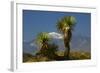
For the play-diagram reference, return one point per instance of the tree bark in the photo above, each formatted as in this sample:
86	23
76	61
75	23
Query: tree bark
67	51
67	39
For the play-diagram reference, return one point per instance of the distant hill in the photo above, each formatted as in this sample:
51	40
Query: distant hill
30	47
78	43
81	43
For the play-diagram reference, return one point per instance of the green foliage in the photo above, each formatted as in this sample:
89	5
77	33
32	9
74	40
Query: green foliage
49	52
42	38
67	21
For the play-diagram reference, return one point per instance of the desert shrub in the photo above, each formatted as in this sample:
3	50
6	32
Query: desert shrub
49	52
26	57
79	55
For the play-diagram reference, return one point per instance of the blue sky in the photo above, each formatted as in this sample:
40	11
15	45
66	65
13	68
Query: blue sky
45	21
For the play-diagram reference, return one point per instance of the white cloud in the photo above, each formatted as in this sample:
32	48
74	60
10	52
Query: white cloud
55	35
31	44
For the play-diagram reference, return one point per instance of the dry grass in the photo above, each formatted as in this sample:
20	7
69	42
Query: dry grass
73	56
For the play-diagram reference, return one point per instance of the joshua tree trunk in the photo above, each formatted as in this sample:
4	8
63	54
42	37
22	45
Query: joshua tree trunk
67	51
44	49
67	39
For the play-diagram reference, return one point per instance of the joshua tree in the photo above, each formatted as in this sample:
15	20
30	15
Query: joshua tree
47	49
43	39
65	26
